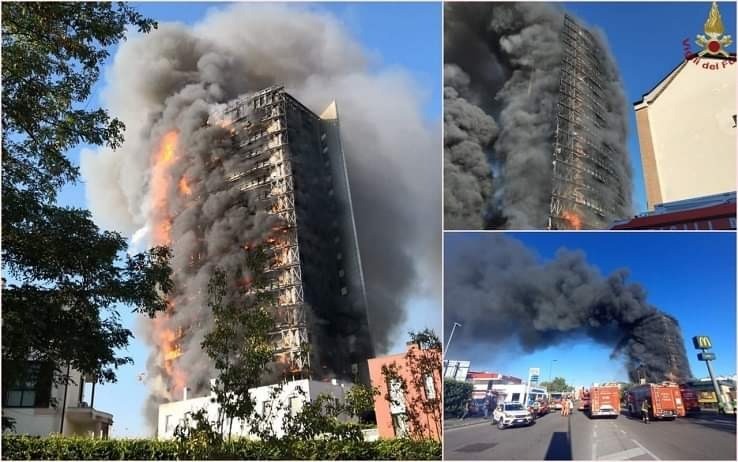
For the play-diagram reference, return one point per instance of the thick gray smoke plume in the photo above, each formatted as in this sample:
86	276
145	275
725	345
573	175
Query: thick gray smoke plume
171	78
502	70
501	293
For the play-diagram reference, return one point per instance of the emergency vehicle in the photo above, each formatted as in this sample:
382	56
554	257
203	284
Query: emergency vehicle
604	400
690	399
554	401
665	400
584	400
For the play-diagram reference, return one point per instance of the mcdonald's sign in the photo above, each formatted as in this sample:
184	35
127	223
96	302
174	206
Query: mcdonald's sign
702	342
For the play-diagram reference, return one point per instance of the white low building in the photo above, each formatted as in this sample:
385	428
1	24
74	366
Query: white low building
40	408
290	399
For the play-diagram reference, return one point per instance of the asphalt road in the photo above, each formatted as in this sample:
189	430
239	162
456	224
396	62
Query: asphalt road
553	437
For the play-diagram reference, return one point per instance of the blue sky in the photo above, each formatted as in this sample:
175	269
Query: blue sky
646	40
688	275
406	36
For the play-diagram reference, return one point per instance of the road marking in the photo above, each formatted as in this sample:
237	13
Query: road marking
465	426
594	433
624	455
594	450
647	451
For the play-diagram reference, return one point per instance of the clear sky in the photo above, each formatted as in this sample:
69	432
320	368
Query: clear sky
689	275
406	36
646	40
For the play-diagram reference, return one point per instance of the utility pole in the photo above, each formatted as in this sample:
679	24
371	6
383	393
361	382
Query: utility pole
64	403
456	324
550	367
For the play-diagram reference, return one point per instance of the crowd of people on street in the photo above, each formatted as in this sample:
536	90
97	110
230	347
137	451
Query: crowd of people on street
566	405
487	406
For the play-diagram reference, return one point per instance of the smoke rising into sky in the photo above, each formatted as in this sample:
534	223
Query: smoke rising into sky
501	293
170	79
501	89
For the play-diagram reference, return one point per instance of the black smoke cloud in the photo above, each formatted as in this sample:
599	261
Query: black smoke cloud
502	71
171	79
501	293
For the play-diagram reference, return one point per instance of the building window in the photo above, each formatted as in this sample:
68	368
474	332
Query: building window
399	425
430	387
168	421
515	397
32	388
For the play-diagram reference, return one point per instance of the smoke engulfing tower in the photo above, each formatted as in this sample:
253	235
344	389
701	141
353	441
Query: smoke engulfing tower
666	356
298	174
535	121
503	293
206	168
590	180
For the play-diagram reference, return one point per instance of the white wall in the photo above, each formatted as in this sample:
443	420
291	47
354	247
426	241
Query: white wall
45	421
692	130
288	401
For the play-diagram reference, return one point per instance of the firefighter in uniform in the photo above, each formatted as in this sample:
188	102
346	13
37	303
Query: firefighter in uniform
644	410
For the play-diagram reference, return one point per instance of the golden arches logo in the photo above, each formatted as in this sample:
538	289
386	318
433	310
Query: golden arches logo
702	342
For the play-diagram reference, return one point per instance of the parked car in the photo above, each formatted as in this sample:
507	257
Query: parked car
539	407
511	415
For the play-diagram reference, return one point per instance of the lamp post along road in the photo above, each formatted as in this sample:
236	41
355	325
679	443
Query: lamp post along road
450	337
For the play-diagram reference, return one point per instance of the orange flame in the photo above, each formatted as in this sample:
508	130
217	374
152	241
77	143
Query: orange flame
161	183
573	219
184	187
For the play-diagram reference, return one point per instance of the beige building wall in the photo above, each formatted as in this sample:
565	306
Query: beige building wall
686	132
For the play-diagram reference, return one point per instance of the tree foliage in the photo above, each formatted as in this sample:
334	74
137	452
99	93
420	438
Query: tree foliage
239	343
558	384
423	412
64	275
455	396
18	447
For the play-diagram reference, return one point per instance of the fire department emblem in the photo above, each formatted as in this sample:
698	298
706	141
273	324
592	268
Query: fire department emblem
713	43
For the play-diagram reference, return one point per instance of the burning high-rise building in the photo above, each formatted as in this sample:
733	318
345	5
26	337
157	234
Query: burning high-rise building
588	189
503	293
168	183
290	169
535	121
667	357
299	174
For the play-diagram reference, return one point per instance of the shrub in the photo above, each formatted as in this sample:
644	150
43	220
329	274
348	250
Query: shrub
455	395
20	447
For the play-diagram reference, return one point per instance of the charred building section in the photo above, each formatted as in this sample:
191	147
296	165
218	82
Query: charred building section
661	340
299	175
589	188
535	121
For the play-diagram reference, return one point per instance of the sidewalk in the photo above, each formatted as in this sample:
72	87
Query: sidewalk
456	423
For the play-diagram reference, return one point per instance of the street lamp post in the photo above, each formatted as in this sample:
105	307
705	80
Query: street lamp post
456	324
550	368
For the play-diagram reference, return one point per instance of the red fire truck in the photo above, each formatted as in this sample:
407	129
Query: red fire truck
665	400
584	400
604	400
689	399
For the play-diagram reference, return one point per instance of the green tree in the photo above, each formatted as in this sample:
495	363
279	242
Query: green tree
455	396
360	401
558	384
423	365
240	343
64	275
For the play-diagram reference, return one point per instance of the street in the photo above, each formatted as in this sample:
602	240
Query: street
553	437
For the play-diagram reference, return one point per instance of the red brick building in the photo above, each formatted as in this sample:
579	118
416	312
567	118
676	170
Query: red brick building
410	393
